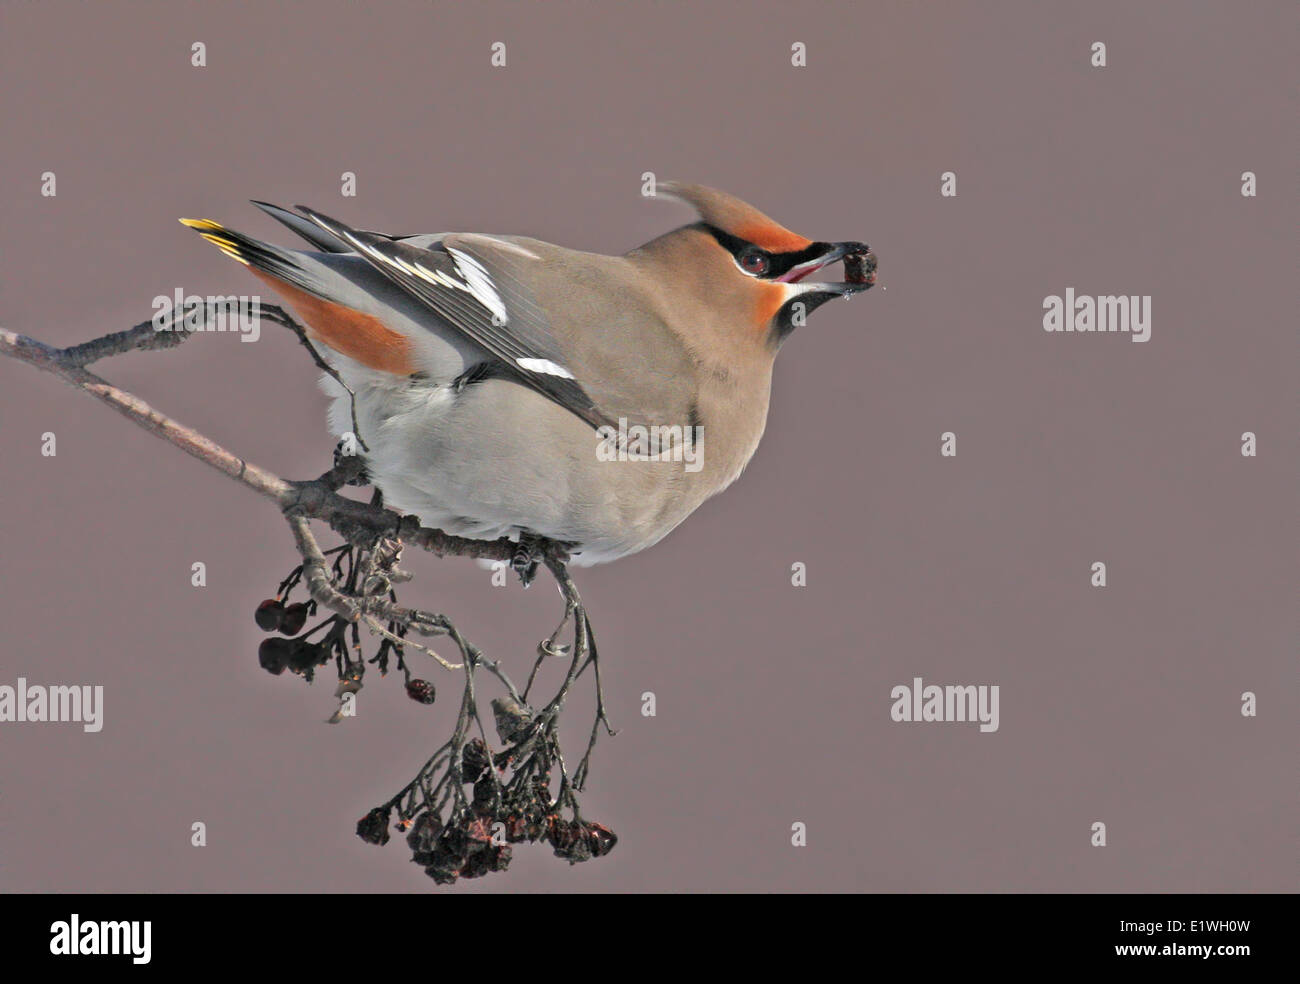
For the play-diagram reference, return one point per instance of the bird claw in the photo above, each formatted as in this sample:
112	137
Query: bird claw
362	477
527	558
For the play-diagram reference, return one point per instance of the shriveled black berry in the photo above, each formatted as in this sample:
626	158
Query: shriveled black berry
423	835
373	827
600	838
304	656
860	268
485	795
441	875
294	618
269	615
421	691
474	761
273	655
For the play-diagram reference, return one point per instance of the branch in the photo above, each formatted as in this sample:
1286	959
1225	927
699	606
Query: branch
315	499
67	365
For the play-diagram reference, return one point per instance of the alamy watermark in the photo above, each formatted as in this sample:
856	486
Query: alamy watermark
930	702
100	938
35	703
1104	313
190	312
653	442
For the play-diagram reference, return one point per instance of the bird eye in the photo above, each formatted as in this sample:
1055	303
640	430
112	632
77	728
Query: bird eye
754	261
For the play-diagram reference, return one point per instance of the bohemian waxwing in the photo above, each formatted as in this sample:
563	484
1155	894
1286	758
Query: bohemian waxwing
505	386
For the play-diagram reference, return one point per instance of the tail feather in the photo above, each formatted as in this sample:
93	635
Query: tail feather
280	263
310	288
305	228
319	237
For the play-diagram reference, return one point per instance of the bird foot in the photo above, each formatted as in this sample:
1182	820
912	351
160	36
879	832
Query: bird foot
528	557
341	453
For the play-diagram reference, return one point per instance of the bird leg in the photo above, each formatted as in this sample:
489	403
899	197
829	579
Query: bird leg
528	557
278	315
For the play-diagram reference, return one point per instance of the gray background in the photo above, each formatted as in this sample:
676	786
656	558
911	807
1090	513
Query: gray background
1119	705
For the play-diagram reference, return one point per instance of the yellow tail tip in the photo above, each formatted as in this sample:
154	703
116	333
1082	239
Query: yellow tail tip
200	223
221	241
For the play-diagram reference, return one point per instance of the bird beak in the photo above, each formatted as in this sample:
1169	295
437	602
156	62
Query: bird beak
859	269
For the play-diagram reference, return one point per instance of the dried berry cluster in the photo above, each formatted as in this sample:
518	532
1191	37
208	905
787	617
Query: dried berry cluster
478	841
467	849
527	812
297	654
302	655
490	800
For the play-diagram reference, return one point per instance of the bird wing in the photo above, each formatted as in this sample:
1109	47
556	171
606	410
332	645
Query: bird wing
491	308
594	318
